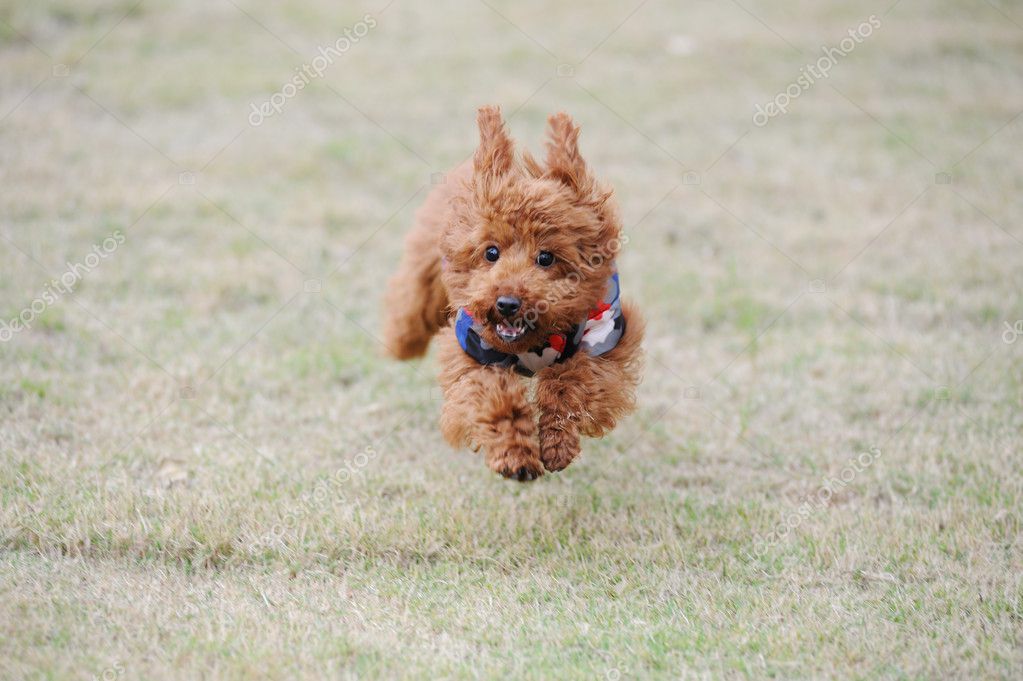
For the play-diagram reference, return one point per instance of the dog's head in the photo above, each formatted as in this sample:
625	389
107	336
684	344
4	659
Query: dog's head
531	245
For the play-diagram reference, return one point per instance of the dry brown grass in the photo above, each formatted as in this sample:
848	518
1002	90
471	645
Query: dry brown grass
213	374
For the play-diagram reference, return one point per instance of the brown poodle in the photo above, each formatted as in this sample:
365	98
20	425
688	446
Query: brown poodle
512	263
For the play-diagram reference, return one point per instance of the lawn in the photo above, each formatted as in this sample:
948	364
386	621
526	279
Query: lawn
208	469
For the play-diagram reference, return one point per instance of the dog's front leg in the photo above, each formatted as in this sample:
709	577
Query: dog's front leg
587	395
487	408
561	399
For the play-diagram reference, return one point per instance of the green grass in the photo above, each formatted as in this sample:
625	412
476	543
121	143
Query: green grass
207	469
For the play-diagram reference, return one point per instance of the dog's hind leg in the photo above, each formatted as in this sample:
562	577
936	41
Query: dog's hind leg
416	302
415	305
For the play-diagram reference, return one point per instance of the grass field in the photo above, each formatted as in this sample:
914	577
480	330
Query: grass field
208	470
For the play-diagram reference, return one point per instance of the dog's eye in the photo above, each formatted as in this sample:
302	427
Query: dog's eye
545	259
492	254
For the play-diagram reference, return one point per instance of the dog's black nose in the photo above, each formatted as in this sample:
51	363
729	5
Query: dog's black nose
508	305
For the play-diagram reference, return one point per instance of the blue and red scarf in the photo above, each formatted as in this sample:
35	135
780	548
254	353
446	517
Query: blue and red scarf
595	335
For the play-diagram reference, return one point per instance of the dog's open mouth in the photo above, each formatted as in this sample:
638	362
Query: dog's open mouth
509	332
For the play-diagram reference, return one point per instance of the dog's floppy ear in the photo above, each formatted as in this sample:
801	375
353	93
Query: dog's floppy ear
495	154
563	160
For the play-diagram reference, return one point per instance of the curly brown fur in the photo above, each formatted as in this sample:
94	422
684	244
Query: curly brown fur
522	207
416	301
487	408
588	395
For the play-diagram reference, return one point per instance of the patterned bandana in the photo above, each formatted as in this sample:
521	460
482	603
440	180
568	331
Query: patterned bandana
596	335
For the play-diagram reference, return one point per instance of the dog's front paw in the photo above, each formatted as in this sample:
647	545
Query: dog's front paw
558	447
518	463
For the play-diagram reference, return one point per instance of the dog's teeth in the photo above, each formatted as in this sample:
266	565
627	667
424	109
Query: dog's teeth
508	331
